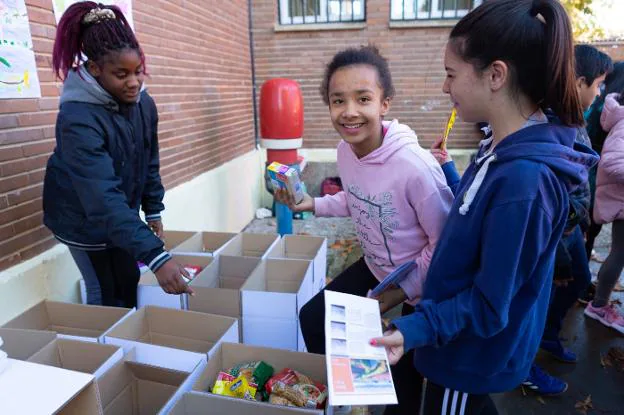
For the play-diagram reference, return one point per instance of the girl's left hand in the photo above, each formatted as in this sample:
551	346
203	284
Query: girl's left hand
157	227
393	342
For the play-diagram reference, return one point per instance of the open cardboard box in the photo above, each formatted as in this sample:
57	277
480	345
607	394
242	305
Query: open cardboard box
133	388
230	354
21	344
149	291
312	248
31	388
255	245
272	297
195	403
174	238
204	243
173	339
217	287
74	321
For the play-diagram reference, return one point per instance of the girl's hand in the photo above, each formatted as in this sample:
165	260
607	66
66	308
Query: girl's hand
306	205
157	227
390	299
170	279
393	342
441	155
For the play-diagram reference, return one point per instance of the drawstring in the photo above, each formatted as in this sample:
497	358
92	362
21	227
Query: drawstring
476	183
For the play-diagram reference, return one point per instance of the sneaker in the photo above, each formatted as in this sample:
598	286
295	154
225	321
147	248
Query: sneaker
588	296
594	257
342	410
608	315
556	349
542	383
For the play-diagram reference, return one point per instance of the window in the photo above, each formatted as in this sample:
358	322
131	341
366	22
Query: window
431	9
321	11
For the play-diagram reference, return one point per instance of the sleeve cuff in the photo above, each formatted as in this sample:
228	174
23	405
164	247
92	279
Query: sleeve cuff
320	206
414	329
412	285
158	261
152	217
450	172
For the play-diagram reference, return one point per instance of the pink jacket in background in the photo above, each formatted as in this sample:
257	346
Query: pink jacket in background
399	201
609	204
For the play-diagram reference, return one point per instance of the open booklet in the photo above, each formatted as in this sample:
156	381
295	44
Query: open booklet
358	373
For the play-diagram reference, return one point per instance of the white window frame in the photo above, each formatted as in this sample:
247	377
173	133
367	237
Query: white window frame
321	18
436	11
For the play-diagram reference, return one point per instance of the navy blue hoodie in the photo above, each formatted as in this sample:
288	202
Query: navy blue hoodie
485	298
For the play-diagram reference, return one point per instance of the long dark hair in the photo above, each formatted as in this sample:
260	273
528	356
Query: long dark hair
534	37
614	83
91	29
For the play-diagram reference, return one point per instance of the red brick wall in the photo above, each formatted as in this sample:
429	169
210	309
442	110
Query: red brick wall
199	60
416	62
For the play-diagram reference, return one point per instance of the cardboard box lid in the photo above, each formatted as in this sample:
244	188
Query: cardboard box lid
195	403
68	318
278	275
175	238
298	247
135	388
21	344
185	330
91	358
250	244
204	242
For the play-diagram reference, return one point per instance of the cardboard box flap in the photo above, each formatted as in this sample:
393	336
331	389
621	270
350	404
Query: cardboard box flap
204	242
72	331
231	283
239	267
114	382
208	277
278	274
297	247
257	281
188	324
175	238
180	343
195	403
195	260
86	402
21	344
133	328
84	316
35	318
215	301
78	356
250	244
157	374
152	396
289	287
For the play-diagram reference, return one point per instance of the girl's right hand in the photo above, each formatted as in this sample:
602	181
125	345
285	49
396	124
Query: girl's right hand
442	156
306	205
170	279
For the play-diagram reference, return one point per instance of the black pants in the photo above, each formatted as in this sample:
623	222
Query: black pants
116	271
439	400
357	280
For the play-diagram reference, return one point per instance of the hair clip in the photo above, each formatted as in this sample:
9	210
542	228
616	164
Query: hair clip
97	15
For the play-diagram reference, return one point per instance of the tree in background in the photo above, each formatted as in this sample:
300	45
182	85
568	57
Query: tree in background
584	21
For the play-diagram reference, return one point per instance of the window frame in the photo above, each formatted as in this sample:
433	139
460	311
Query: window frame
286	19
435	12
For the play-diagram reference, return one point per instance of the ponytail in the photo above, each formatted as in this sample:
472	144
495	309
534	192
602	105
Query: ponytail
534	37
93	30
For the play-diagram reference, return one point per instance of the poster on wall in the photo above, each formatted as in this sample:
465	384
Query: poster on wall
125	5
18	69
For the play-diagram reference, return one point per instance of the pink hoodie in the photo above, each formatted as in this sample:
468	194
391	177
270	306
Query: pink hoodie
609	205
398	199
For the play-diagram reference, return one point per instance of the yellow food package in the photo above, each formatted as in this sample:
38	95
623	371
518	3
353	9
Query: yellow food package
449	127
237	387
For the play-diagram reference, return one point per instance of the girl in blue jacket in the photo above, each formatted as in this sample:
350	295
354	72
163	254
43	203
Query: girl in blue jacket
105	166
479	324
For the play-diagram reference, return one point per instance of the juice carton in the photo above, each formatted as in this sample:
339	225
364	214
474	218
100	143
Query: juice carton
284	177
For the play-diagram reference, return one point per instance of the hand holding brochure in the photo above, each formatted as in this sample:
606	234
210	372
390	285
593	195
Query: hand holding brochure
394	278
357	373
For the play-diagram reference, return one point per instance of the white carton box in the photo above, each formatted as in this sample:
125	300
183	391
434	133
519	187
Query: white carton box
73	321
204	243
149	291
312	248
173	339
271	300
255	245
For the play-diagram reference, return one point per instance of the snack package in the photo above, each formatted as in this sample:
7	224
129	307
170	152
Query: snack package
298	389
278	400
193	270
237	387
449	127
284	177
256	372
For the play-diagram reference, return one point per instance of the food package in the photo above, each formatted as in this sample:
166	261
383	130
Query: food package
193	270
298	389
237	387
257	372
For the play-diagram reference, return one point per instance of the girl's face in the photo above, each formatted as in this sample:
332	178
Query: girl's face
357	105
120	74
470	92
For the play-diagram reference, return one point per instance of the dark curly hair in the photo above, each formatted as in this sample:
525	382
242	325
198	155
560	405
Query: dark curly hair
365	55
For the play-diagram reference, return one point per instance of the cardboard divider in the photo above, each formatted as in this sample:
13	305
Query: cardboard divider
149	291
91	358
272	297
174	238
78	321
173	339
311	248
195	403
21	344
204	243
255	245
229	355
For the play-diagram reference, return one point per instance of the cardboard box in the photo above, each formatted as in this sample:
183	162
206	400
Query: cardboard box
271	300
255	245
174	238
173	339
312	248
73	321
21	344
204	243
58	391
134	388
217	287
195	403
229	354
149	291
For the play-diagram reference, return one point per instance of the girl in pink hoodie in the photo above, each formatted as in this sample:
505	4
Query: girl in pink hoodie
609	208
394	190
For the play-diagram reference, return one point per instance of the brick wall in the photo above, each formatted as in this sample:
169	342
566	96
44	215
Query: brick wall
198	56
416	62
